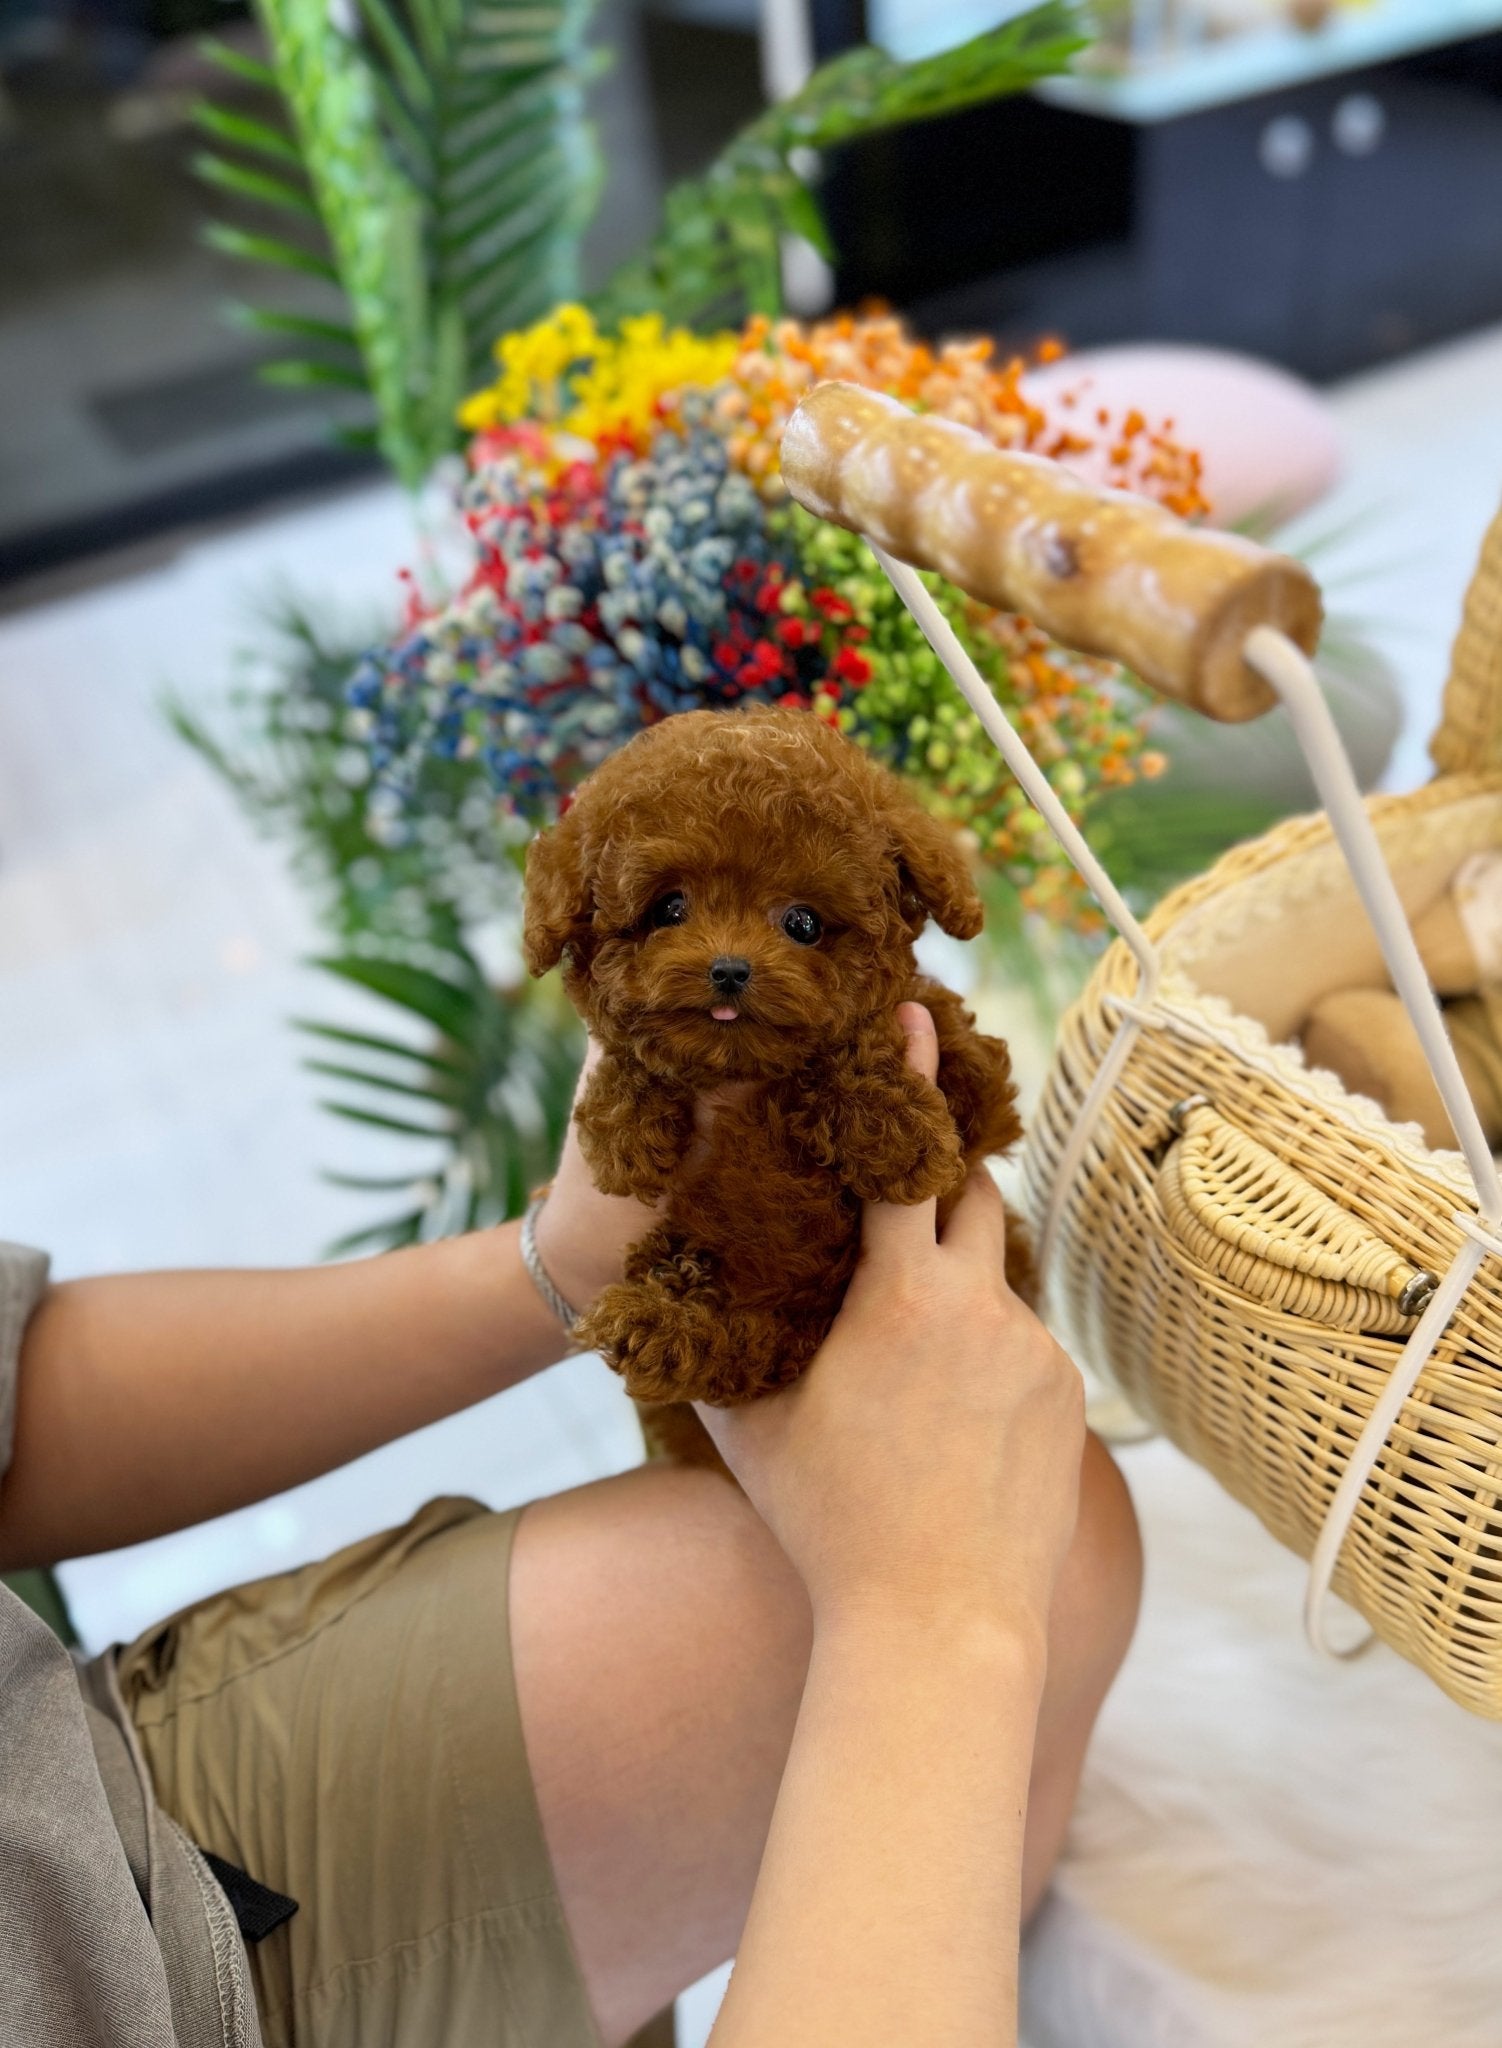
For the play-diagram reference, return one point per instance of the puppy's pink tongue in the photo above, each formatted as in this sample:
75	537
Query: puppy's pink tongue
725	1014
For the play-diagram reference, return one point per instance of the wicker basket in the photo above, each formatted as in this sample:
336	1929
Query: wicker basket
1247	1250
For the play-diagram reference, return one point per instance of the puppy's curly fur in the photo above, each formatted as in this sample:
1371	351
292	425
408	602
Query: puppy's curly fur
678	885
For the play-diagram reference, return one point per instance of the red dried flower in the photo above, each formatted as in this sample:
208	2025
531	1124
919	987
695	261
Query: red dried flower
852	667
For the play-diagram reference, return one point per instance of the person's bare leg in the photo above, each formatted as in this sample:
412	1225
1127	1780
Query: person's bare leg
1090	1629
660	1642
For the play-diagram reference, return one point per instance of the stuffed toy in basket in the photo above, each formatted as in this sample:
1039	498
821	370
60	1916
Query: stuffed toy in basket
1301	1293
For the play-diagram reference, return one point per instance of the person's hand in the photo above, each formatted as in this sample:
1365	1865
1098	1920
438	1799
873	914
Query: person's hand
582	1235
927	1462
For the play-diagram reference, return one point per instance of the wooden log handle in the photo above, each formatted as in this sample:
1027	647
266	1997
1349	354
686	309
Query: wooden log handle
1101	571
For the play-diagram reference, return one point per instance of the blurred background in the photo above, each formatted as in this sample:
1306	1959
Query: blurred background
255	258
1315	182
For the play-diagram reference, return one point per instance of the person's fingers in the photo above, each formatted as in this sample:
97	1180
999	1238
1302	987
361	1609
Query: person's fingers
738	1447
593	1054
725	1425
977	1225
887	1228
922	1041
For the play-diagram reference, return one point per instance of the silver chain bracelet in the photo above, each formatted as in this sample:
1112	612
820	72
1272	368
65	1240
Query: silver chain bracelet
540	1277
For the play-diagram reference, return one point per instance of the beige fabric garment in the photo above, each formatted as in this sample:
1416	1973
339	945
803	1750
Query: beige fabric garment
349	1732
113	1932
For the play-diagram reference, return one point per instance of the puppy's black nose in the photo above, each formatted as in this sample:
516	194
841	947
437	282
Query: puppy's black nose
730	975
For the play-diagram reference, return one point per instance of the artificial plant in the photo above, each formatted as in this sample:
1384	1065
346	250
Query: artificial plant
473	1074
436	164
717	255
634	554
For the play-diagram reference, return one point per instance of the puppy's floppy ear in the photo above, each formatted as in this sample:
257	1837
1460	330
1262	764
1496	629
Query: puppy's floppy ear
559	898
936	876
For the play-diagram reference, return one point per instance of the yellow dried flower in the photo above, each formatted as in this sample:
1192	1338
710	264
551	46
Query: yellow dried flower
565	373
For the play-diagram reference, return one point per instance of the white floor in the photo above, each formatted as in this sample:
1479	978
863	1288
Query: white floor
152	1112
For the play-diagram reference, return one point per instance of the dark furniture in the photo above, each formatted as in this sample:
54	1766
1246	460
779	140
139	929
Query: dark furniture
1328	224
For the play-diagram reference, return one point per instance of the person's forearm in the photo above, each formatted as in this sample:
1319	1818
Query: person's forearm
887	1909
153	1400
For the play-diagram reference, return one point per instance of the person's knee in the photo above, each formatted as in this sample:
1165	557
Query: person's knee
1101	1587
1094	1614
710	1538
661	1640
1094	1610
681	1593
752	1618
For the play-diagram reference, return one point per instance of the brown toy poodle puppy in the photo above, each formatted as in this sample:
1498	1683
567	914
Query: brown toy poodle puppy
734	897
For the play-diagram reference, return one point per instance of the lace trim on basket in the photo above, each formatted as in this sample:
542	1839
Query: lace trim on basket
1188	1012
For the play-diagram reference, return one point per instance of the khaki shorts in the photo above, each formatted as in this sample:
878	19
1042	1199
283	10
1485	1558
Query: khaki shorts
349	1734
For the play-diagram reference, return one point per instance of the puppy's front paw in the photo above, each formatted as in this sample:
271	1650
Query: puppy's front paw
669	1332
664	1344
881	1129
899	1143
633	1131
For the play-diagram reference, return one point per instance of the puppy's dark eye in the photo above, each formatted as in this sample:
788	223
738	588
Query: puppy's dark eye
669	909
802	925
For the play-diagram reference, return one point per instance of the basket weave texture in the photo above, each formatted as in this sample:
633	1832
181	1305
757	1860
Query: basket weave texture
1245	1270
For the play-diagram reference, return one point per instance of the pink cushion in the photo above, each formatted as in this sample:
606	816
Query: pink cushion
1268	440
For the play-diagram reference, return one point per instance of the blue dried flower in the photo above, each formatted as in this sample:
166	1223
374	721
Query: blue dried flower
624	592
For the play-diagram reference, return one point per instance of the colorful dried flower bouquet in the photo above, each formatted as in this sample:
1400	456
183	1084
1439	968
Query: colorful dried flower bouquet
635	555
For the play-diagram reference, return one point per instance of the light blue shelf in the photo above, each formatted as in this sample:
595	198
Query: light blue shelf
1214	74
1270	60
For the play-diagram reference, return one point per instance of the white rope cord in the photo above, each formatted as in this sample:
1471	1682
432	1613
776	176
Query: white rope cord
942	638
1275	658
1388	1406
1281	663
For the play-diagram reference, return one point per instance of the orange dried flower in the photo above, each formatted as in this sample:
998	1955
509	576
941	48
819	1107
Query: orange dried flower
778	360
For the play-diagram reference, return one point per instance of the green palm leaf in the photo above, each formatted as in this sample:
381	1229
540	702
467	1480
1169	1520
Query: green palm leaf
247	142
239	64
369	1041
424	1088
271	250
260	186
449	171
494	1093
718	252
355	1113
333	334
378	1237
451	1003
258	138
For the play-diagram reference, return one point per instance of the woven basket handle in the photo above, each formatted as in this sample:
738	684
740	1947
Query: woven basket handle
1469	737
1100	570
